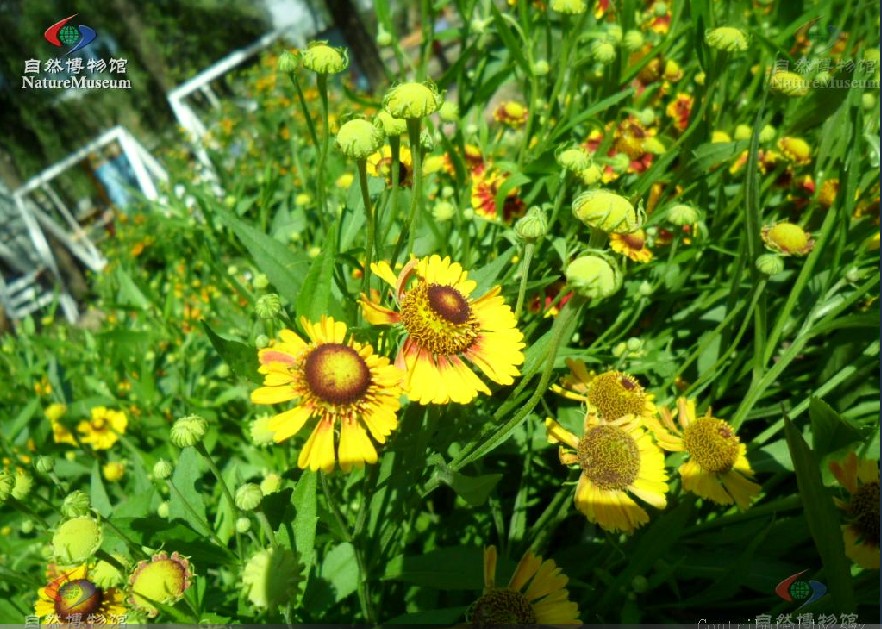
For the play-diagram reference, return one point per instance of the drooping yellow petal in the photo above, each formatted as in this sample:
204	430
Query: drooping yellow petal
559	434
863	554
272	395
318	453
526	568
355	447
742	490
703	484
548	579
287	424
489	568
382	270
375	314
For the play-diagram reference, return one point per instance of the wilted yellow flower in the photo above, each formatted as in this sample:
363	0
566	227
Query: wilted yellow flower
787	239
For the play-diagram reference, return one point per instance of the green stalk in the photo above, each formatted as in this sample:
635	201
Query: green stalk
364	597
309	123
525	271
369	217
416	201
321	180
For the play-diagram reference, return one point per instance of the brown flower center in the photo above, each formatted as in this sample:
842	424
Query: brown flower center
78	597
712	443
864	508
609	457
501	607
615	394
336	373
439	318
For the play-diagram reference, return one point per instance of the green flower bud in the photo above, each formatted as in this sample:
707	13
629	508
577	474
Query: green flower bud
76	504
541	68
357	139
260	433
427	142
188	431
868	101
682	215
639	584
569	7
270	484
449	111
767	134
742	132
606	211
44	464
260	281
243	525
76	540
634	344
646	117
604	52
594	277
789	83
645	289
573	159
392	127
27	527
620	162
262	341
769	264
105	574
289	62
614	32
222	371
23	484
633	40
163	510
726	38
591	175
248	497
270	577
412	100
443	211
162	469
324	59
268	306
533	226
384	37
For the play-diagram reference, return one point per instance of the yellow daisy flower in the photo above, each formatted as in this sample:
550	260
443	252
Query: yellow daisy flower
611	394
333	380
717	468
617	457
379	164
545	600
861	479
104	429
70	597
445	328
632	245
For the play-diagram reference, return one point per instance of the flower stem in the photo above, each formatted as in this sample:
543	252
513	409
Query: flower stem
369	218
364	597
322	146
416	201
525	271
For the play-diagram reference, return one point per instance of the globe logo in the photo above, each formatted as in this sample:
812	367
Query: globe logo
800	590
68	35
63	34
795	589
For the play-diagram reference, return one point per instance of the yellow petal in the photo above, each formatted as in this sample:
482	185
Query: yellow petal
559	434
318	453
272	395
287	424
355	447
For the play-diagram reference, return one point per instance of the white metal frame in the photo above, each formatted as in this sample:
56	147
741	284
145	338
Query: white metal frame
25	295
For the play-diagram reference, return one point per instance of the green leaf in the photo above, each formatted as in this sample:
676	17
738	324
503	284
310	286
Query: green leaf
453	568
707	156
129	293
284	268
315	294
100	500
473	489
510	39
830	432
340	569
241	358
185	501
822	518
305	522
487	274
